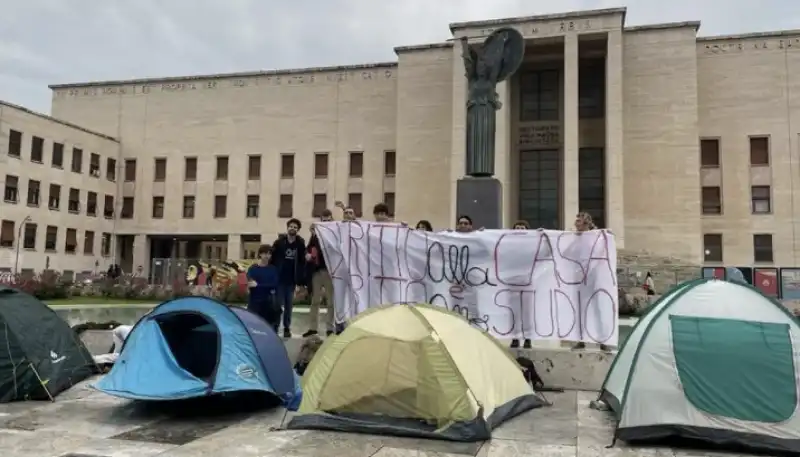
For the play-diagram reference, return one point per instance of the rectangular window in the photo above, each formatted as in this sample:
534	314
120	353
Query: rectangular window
74	201
188	207
94	165
105	245
285	209
712	246
111	170
287	166
11	191
762	248
54	198
252	205
388	198
127	208
320	203
389	163
88	242
354	201
34	192
761	199
130	170
158	207
77	160
108	207
709	153
759	151
29	236
712	200
37	149
160	170
15	143
254	167
539	95
50	238
222	169
321	165
7	234
592	89
91	204
356	164
57	160
220	206
71	241
190	169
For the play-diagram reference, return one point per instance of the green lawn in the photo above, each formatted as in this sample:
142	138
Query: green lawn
95	301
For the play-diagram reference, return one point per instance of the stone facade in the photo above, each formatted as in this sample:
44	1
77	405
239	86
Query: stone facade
395	131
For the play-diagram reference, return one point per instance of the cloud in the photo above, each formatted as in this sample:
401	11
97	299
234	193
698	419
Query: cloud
52	41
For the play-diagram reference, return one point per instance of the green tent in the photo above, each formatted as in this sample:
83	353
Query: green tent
40	356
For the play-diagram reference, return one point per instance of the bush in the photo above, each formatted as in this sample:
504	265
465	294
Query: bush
45	286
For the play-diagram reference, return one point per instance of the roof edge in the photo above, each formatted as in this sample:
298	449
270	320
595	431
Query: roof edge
58	121
541	17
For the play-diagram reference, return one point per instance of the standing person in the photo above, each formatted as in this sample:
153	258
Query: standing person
262	280
288	255
584	223
424	226
348	213
321	284
464	224
521	225
649	285
381	213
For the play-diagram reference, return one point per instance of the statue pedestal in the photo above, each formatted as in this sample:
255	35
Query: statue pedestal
482	200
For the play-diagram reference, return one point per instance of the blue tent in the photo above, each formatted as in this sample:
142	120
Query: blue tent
195	346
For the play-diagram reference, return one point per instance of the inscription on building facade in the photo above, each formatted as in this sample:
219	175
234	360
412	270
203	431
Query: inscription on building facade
547	28
734	47
539	135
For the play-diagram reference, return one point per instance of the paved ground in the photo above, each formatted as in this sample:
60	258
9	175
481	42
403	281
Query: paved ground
85	423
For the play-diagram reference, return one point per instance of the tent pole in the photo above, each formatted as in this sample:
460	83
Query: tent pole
46	390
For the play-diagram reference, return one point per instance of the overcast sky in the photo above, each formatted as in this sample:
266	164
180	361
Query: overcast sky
60	41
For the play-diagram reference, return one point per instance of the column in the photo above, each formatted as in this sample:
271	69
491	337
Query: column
569	177
141	253
234	247
615	189
502	148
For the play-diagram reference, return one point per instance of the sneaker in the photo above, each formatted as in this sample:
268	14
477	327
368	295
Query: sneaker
309	333
526	344
514	344
605	348
329	333
287	333
579	346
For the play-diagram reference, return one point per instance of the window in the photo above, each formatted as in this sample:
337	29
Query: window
759	151
14	143
158	207
50	238
287	166
88	242
321	165
37	149
591	89
58	156
389	163
127	208
29	236
252	205
320	203
71	241
11	192
74	201
709	153
105	245
111	170
712	246
388	198
7	234
188	207
77	160
762	247
54	198
356	164
130	170
34	192
220	206
285	206
712	200
91	204
761	199
222	169
108	207
94	165
539	95
160	170
591	184
254	167
354	201
190	169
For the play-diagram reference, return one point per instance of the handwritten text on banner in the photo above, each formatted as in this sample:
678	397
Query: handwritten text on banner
536	284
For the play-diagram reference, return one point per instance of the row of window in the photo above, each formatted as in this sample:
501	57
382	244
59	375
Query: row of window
287	167
540	92
30	231
11	194
760	200
759	152
15	139
762	248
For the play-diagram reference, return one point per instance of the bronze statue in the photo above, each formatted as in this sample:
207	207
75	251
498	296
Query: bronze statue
498	58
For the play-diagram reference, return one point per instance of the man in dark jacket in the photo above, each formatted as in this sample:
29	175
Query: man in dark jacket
288	254
321	284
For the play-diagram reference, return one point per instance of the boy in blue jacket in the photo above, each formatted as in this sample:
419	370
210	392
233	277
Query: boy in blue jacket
262	279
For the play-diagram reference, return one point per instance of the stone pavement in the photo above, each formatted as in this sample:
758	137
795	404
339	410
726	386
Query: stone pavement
86	423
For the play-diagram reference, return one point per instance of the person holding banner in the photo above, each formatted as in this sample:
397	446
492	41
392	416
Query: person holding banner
464	224
424	226
321	284
521	225
288	255
585	223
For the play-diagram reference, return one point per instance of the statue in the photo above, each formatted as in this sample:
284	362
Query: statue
498	58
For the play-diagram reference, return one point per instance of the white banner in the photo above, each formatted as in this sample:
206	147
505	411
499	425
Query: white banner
535	284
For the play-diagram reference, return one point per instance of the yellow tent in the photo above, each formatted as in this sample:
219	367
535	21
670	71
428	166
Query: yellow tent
415	370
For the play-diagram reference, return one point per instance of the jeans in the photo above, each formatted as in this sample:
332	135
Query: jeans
268	310
285	298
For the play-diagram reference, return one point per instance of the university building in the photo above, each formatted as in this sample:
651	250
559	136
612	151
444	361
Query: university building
684	146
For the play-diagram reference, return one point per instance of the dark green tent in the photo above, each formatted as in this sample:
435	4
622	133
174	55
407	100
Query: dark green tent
40	356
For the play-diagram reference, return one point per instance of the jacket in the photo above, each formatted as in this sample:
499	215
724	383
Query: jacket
279	257
314	247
